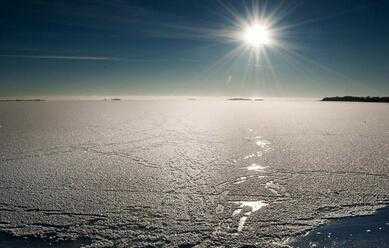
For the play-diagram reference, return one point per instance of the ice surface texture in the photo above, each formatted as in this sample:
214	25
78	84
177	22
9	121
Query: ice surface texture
165	173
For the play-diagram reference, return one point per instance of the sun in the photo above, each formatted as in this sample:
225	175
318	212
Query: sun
257	35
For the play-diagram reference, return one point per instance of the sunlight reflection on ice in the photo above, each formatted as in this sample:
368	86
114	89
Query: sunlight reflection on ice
262	143
241	222
256	167
248	156
236	212
247	207
257	154
241	180
276	189
253	205
273	187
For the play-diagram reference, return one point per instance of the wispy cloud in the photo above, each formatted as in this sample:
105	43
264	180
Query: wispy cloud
56	57
94	58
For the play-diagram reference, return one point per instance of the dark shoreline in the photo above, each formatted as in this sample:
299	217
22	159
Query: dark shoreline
356	99
354	231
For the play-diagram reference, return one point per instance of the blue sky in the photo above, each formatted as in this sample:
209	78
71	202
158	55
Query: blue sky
173	47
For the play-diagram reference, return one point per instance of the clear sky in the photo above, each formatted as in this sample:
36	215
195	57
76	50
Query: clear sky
183	47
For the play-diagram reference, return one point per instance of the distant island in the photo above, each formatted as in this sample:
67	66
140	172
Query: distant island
23	100
356	99
112	99
244	99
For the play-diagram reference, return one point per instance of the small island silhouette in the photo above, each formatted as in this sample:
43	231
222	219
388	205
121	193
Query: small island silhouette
112	99
244	99
356	99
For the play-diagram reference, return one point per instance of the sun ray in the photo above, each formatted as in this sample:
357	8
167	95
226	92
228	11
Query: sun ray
224	60
252	35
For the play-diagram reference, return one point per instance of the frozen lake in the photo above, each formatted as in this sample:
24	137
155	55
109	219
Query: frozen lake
178	173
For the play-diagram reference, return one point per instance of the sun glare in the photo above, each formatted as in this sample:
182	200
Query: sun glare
257	35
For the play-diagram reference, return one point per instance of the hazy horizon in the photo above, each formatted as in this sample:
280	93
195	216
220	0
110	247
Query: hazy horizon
166	97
